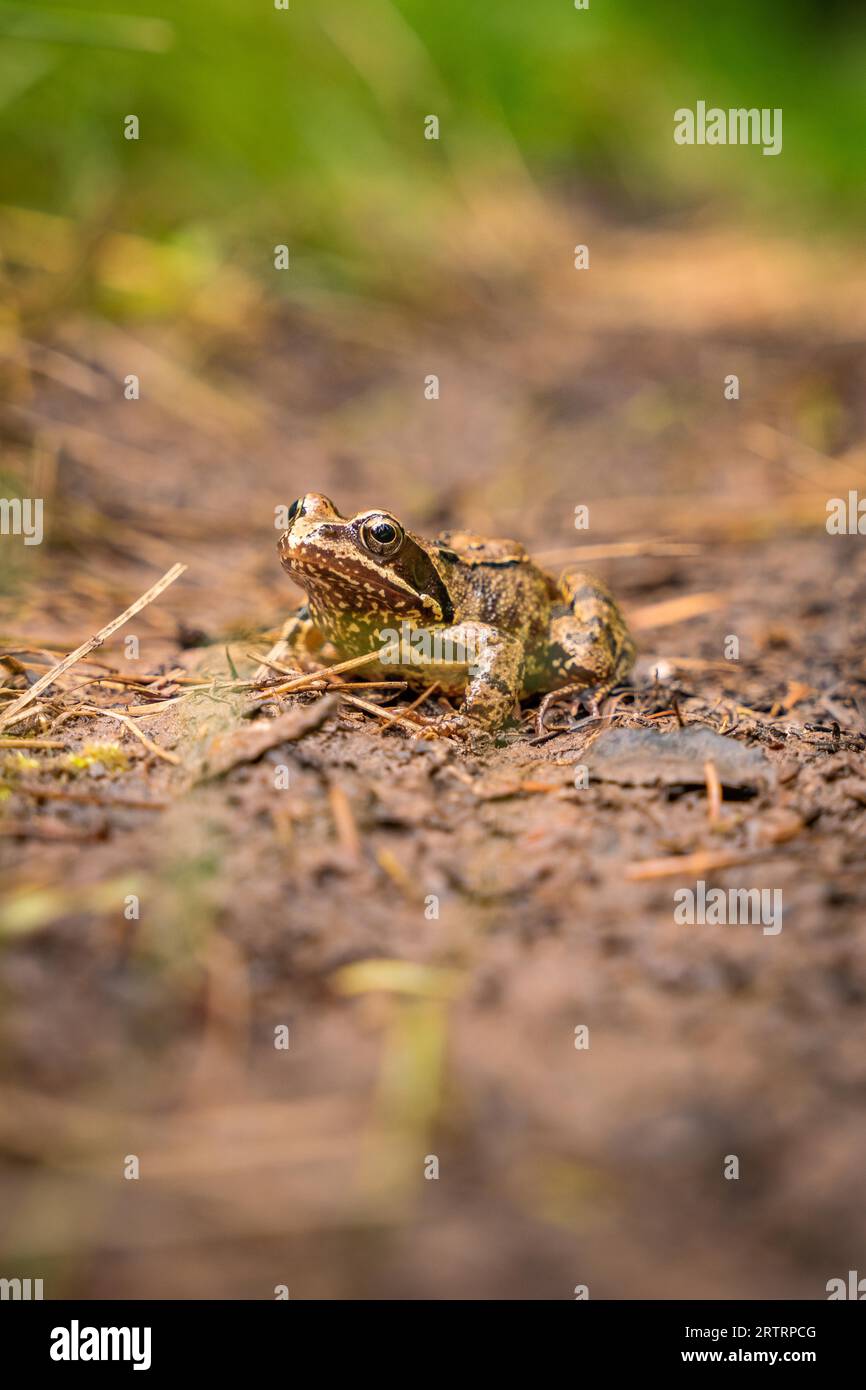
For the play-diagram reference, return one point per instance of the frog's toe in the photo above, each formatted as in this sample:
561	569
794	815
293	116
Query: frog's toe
471	733
590	697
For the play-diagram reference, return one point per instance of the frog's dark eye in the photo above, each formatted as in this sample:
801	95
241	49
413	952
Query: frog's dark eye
381	535
294	509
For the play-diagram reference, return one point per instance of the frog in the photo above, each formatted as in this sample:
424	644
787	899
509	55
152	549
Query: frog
477	618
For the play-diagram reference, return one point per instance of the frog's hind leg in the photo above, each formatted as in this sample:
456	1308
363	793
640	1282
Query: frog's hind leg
589	647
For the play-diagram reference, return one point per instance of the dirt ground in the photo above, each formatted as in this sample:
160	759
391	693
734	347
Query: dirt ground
433	927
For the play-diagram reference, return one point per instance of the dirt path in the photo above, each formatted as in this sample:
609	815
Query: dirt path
433	929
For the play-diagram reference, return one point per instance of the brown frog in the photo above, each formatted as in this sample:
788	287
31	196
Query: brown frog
476	616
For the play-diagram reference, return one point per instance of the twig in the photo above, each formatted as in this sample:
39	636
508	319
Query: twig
10	714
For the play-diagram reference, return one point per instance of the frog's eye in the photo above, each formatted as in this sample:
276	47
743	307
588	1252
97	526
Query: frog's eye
381	535
294	509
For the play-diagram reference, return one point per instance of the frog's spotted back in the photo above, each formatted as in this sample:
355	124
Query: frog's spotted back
475	550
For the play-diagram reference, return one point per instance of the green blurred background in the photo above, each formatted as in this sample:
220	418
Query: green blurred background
306	126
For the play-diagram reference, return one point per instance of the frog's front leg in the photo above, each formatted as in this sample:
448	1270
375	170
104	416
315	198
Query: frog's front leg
299	637
589	647
300	634
492	663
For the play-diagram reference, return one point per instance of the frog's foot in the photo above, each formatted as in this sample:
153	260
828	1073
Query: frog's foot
472	733
591	699
492	667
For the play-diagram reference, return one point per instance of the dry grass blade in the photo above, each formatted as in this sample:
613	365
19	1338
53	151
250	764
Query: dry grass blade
326	673
45	830
31	743
714	791
425	694
345	823
414	726
125	803
674	610
701	862
139	711
130	724
277	652
616	550
9	715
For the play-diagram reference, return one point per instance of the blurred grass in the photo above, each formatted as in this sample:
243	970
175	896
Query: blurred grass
261	126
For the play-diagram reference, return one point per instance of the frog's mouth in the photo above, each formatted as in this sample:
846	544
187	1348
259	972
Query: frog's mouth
353	588
343	577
